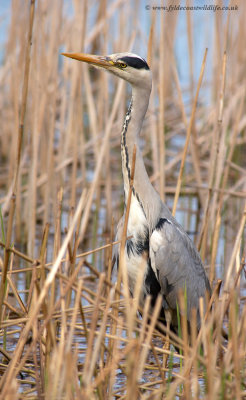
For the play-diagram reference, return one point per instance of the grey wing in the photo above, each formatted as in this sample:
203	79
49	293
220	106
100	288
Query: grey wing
177	265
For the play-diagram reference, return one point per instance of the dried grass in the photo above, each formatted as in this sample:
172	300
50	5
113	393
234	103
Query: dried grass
67	329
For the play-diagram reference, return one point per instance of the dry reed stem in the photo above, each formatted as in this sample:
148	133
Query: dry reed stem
151	327
95	354
194	146
161	127
235	344
57	238
184	327
214	154
86	375
235	250
19	349
19	147
188	134
5	305
62	154
122	271
221	195
214	169
100	159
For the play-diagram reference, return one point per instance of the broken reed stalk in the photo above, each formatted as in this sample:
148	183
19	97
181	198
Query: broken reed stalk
188	134
18	156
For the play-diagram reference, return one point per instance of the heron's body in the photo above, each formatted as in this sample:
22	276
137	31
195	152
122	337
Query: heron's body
158	244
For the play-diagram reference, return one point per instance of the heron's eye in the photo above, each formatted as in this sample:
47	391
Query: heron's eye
121	65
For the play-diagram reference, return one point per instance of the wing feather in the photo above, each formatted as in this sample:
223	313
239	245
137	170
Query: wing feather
177	264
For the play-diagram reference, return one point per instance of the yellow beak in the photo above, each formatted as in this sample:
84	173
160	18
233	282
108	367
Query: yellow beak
91	59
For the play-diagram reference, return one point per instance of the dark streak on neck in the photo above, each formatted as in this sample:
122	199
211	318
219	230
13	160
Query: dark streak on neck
124	149
123	140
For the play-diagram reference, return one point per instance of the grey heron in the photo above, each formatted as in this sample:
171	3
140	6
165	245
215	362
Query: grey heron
158	243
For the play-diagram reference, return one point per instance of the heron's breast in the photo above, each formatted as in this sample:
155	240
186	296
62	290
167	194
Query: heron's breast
137	247
136	270
137	222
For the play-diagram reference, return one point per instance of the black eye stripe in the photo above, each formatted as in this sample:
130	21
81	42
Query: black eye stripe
135	62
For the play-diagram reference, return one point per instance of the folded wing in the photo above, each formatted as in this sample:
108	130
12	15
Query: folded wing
177	266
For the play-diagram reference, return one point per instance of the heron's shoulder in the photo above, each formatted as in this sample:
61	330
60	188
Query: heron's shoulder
169	233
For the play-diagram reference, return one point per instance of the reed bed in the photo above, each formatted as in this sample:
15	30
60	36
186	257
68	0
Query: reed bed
69	328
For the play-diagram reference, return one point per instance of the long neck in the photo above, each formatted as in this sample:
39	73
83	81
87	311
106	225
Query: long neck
130	137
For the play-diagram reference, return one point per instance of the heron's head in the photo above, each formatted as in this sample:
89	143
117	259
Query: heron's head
128	66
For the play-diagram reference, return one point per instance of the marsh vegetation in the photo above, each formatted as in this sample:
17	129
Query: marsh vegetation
67	329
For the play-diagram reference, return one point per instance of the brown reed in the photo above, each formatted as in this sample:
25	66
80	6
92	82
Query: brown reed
68	329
